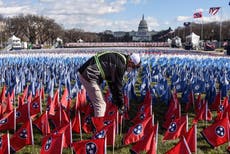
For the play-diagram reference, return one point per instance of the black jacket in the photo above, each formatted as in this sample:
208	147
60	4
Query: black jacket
114	67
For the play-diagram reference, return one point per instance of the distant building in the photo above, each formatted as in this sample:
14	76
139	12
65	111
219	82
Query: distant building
108	32
119	34
141	35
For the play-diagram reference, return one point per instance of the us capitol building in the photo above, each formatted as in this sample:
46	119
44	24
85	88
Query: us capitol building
142	35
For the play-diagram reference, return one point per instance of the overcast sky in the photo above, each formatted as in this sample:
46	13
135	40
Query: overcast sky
117	15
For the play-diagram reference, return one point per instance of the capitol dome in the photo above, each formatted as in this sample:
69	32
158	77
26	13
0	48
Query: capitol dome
143	27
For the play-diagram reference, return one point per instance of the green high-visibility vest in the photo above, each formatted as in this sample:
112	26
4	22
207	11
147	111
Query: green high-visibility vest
99	64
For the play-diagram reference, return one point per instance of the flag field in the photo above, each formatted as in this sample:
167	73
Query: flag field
169	85
159	110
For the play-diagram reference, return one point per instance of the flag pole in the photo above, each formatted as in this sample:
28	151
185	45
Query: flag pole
121	125
187	122
206	113
114	134
220	26
79	117
8	142
228	129
156	139
195	138
71	136
202	37
153	119
15	122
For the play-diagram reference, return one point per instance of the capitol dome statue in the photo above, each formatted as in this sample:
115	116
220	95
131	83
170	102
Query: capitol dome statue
143	27
142	34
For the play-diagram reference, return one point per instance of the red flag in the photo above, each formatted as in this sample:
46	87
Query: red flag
77	123
203	114
108	131
217	133
222	109
37	93
8	121
180	148
226	112
216	102
1	111
25	93
22	113
173	106
42	93
54	105
49	100
177	128
191	138
86	123
145	109
23	137
5	144
52	144
148	141
66	130
3	94
64	98
197	15
9	103
29	98
86	114
97	146
172	113
111	110
81	99
35	106
60	118
143	113
136	132
20	101
100	122
42	123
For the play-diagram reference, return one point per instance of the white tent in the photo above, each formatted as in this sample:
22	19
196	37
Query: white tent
59	40
14	39
80	41
193	38
14	43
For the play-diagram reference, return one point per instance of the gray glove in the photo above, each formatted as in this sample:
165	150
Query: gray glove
121	109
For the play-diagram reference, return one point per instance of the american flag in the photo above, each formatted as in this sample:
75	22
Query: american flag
197	15
214	10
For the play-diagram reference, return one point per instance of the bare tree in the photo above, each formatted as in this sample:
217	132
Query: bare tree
35	29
